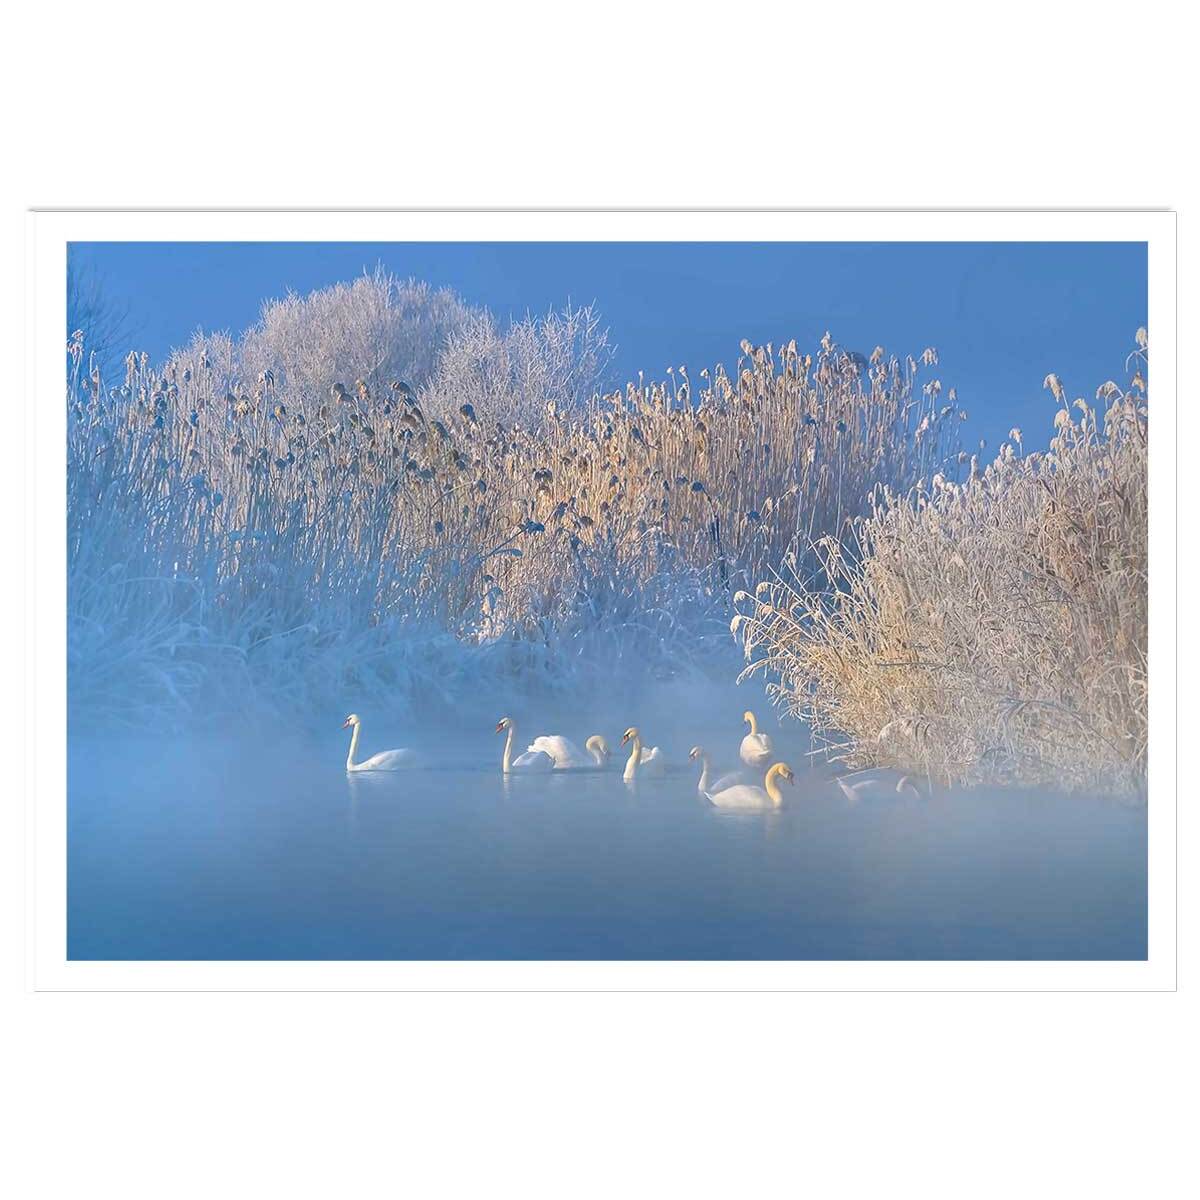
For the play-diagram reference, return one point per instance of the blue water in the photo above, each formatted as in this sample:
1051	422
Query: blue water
220	851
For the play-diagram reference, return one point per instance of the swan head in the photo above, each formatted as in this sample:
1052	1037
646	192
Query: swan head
695	752
597	743
748	717
503	724
352	719
630	734
785	773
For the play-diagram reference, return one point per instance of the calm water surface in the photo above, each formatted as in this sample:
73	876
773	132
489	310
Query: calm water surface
207	851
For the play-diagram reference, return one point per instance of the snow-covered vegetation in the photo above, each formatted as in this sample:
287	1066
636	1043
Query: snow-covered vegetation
989	629
381	493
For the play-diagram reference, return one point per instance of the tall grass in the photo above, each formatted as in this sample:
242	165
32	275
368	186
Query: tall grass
993	629
283	537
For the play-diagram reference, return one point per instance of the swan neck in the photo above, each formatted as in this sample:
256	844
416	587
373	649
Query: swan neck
508	741
705	768
753	724
635	754
772	784
353	747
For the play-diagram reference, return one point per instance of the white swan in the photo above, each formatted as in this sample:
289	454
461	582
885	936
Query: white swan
757	748
568	756
747	796
597	747
385	760
531	760
707	783
875	782
642	762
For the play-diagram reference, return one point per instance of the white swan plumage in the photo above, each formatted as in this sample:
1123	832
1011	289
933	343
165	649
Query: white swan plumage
597	747
873	781
707	783
568	756
385	760
748	796
649	762
531	760
757	748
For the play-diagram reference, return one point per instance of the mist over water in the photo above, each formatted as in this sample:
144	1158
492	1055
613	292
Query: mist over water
257	845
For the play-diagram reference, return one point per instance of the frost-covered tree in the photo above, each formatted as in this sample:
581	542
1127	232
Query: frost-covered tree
376	328
525	371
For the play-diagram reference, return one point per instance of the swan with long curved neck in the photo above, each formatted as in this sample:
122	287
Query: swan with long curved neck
597	747
568	756
745	796
641	761
757	748
875	782
531	760
385	760
707	783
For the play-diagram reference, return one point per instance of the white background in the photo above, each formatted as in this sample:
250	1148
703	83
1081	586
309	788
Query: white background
669	1094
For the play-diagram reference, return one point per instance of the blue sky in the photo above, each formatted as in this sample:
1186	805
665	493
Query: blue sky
1002	315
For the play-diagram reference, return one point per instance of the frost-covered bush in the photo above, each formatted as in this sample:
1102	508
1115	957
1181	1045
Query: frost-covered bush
988	629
